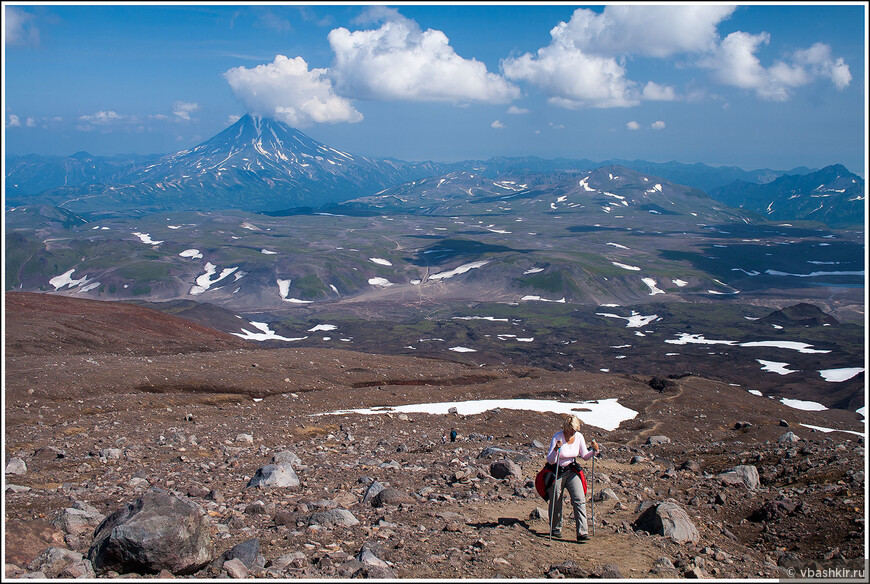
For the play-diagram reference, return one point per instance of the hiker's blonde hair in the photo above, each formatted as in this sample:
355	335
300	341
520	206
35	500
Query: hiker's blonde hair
571	422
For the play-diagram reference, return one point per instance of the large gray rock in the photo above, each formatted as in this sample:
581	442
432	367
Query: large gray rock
391	496
746	475
502	469
669	520
78	521
606	494
275	475
16	466
373	489
158	531
658	440
333	518
285	456
788	438
247	552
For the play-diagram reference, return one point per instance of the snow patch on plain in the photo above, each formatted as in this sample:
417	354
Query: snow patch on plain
606	414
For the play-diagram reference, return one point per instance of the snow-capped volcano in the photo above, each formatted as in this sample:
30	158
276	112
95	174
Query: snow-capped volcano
256	145
257	164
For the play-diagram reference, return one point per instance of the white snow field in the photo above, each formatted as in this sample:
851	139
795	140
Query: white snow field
606	414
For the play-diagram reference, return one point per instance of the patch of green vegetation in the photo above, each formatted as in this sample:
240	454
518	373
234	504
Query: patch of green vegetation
309	287
144	271
557	282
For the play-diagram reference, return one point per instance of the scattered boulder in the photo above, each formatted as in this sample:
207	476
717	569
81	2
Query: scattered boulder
658	440
275	475
236	569
667	519
568	569
77	521
664	566
57	562
368	556
111	453
608	572
506	468
742	425
157	531
247	552
373	489
783	423
391	496
691	466
16	466
772	510
788	438
606	494
539	513
285	457
746	475
333	518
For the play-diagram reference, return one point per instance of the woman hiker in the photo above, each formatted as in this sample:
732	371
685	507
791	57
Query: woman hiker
565	446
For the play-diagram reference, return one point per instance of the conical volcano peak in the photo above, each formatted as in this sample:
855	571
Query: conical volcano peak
274	165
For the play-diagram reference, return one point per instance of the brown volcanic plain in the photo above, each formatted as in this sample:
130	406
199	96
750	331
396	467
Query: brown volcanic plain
83	376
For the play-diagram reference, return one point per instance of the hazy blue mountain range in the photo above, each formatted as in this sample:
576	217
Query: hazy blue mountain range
262	165
255	164
832	195
32	174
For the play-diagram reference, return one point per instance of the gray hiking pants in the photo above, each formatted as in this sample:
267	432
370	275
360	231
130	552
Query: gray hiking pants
570	481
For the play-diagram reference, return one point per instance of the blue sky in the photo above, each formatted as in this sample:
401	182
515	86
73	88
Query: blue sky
756	86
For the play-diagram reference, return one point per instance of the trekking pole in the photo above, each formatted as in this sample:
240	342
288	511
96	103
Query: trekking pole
592	491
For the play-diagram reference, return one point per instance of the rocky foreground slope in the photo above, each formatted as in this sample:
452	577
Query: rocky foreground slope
191	462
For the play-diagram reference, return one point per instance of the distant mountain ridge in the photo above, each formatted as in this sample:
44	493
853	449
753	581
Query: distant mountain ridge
832	195
262	165
255	164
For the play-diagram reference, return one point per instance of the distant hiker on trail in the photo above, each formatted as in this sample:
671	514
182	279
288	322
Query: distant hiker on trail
453	435
565	446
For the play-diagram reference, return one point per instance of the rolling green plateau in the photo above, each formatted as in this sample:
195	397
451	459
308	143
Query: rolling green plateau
635	278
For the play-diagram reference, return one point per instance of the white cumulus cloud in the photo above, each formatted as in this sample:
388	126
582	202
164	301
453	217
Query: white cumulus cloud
655	92
18	28
649	30
399	61
514	110
497	124
102	118
632	125
182	110
572	78
658	125
584	64
734	62
13	121
287	90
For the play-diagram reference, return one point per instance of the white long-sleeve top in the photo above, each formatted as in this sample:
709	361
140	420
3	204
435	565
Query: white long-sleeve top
568	452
